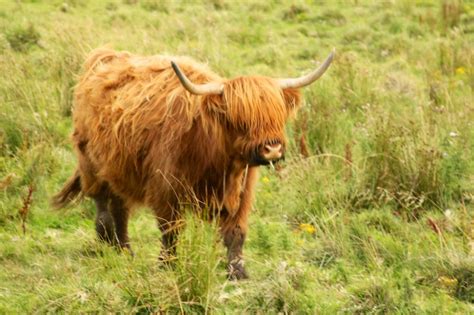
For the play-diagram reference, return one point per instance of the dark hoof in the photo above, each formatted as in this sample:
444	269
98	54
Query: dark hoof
104	227
166	259
126	248
236	272
104	236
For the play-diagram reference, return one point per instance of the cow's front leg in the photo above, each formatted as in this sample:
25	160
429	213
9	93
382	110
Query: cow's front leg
233	225
234	238
168	223
168	240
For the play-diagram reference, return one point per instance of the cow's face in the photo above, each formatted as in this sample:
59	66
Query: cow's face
254	111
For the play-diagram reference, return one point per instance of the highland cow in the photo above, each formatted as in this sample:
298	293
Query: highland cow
167	133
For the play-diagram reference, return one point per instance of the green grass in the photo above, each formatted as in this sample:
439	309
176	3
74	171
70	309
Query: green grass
378	219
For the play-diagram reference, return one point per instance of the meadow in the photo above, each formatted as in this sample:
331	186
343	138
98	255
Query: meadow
371	212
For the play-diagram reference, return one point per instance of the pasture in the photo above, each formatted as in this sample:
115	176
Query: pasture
371	212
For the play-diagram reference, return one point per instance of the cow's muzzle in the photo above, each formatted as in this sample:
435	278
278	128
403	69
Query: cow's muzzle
267	154
272	152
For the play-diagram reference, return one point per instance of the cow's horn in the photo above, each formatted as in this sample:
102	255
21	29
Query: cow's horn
199	89
310	77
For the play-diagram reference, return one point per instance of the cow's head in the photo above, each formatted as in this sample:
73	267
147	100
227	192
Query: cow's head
253	111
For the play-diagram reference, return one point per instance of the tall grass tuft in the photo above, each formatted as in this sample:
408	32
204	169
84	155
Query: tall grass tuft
405	166
451	11
199	268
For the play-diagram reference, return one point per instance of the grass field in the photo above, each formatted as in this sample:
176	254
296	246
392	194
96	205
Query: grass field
372	212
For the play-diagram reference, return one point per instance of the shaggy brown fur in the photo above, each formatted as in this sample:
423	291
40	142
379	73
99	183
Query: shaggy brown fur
142	139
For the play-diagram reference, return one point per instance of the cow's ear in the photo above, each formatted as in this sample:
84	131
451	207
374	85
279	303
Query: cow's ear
292	99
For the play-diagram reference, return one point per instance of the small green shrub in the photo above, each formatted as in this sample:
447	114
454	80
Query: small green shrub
373	298
294	11
332	17
465	283
155	5
23	38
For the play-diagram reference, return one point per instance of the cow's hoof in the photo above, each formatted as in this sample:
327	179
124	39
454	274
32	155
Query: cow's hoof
237	271
126	248
166	259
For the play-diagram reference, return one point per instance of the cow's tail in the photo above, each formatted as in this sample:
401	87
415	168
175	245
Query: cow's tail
69	193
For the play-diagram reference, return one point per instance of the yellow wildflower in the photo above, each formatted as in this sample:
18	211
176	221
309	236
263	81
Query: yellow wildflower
308	228
447	282
460	70
265	179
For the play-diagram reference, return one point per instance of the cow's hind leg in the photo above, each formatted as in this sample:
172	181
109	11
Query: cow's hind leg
104	222
112	219
120	214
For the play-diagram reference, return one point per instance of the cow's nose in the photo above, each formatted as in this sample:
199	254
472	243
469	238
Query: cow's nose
272	152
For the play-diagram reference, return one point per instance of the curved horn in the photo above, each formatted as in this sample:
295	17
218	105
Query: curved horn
310	77
199	89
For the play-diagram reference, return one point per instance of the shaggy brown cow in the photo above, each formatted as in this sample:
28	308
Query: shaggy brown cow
148	133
